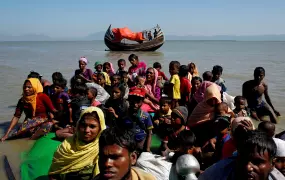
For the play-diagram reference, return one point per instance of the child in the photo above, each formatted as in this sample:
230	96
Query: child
195	84
174	85
101	80
98	67
139	120
192	71
164	113
61	102
137	68
217	73
124	82
241	109
161	74
115	80
121	65
207	76
139	83
178	120
279	160
267	127
92	94
185	86
108	68
221	112
116	106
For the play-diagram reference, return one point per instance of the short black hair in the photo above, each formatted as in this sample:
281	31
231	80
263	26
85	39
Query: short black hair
196	78
133	56
186	138
93	91
257	140
267	127
183	71
259	70
101	74
123	73
207	76
156	65
217	69
239	98
115	76
121	60
124	138
60	82
34	74
78	86
56	75
164	100
175	64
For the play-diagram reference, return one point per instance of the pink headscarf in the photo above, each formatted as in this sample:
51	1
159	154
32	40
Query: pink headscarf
84	59
200	93
149	88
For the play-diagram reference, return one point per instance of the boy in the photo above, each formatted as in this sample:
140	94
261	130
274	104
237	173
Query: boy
164	114
121	65
178	120
185	86
267	127
115	80
138	120
217	73
207	76
124	82
161	74
174	85
241	109
61	102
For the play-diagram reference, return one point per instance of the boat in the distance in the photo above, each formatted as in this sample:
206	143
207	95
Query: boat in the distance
123	39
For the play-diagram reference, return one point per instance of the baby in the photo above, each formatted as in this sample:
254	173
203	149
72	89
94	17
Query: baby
241	109
139	82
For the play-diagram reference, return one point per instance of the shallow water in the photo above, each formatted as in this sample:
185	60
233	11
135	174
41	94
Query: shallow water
237	58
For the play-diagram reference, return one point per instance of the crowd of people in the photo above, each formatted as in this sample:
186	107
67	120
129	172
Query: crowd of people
106	121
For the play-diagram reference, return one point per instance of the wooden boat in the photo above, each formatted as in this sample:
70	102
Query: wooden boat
125	45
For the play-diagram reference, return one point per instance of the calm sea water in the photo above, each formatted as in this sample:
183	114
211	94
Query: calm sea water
238	59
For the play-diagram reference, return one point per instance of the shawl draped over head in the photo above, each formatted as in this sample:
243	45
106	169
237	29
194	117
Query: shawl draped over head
204	112
32	99
111	67
73	155
200	93
107	78
150	89
84	59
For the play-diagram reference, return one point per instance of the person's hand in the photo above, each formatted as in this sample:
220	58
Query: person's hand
247	125
4	138
156	122
111	110
213	142
197	150
276	113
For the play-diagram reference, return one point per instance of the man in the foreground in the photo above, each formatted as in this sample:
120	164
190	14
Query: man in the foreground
117	156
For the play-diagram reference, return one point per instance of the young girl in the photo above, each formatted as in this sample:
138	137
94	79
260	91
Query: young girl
137	68
115	80
92	94
108	68
195	83
101	80
192	71
116	105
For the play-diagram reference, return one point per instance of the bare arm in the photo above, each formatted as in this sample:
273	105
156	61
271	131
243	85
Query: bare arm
148	140
13	123
152	98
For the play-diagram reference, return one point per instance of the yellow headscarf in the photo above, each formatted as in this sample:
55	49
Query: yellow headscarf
73	155
107	78
38	88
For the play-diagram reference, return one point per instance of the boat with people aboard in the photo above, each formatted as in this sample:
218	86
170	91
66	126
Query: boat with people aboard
123	39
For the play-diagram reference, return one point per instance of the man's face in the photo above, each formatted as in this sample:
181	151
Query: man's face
115	162
259	76
254	165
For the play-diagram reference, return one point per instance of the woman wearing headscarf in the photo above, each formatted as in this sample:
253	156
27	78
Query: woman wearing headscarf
153	92
77	156
83	70
36	105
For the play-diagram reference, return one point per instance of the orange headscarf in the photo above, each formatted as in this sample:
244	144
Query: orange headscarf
32	99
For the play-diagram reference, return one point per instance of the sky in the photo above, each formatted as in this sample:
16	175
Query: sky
74	18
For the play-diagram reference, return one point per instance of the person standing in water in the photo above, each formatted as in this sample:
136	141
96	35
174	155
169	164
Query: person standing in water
253	91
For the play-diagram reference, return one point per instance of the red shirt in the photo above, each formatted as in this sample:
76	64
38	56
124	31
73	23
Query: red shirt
160	73
43	106
228	149
185	88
